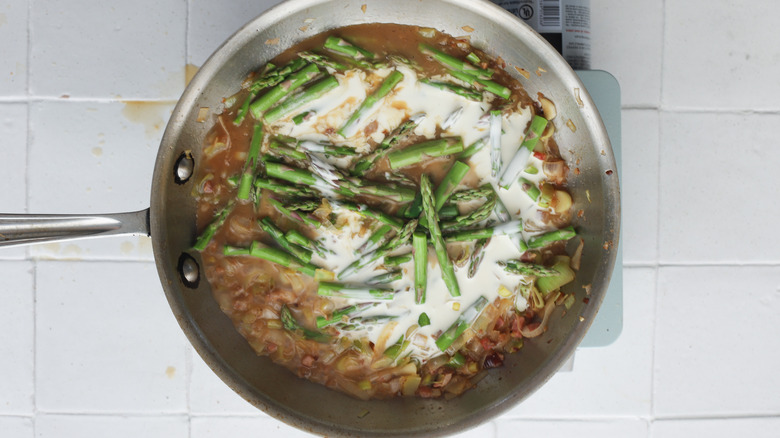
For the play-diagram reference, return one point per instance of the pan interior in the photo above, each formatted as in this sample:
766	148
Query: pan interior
310	406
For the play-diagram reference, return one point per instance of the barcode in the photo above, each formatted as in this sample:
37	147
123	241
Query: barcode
550	13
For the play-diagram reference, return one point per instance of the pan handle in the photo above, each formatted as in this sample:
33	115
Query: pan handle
23	229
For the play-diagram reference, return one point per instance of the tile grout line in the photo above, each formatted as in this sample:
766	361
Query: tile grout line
35	345
658	224
28	142
76	99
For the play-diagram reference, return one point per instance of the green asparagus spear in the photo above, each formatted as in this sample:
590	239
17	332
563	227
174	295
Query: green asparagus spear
315	91
483	191
323	61
401	238
339	314
291	174
368	212
427	149
296	237
420	252
477	255
448	211
242	112
300	118
495	143
290	324
522	268
457	89
272	230
387	277
506	228
274	76
284	189
307	205
304	219
355	291
530	189
553	236
377	239
250	166
275	94
274	255
473	148
476	216
326	148
271	77
342	46
208	233
447	270
398	260
391	192
461	324
455	63
233	251
383	90
520	160
488	85
402	131
281	150
447	186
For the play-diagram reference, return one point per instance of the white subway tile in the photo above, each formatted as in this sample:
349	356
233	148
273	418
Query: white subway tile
94	426
123	50
717	188
209	27
717	428
88	157
219	427
16	338
210	395
107	341
720	54
639	194
623	428
13	165
607	381
13	62
716	352
17	427
627	41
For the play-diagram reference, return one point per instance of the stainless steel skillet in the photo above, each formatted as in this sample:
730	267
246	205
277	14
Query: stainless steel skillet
170	219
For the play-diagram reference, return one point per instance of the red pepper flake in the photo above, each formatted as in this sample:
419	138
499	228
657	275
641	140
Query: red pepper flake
609	172
586	300
540	155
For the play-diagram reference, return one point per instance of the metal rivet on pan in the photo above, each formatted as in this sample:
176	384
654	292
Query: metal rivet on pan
189	271
185	166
